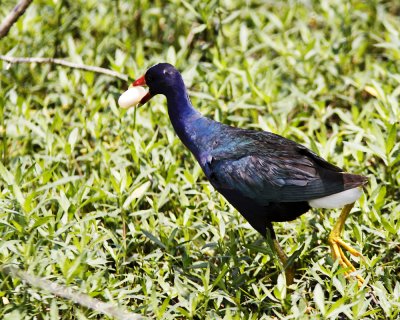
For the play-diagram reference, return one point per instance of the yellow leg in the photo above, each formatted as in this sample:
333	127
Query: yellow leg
289	271
337	243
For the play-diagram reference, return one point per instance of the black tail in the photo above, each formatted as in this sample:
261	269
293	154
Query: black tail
353	180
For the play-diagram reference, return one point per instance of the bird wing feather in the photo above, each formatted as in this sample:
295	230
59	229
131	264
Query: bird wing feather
269	168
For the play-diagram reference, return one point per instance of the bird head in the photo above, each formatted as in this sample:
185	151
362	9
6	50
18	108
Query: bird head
161	78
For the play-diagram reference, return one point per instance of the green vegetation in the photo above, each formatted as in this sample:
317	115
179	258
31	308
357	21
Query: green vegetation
109	202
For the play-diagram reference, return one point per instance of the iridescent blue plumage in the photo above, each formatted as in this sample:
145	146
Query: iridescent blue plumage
264	176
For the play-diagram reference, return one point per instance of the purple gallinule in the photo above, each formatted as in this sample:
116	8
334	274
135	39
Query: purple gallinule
266	177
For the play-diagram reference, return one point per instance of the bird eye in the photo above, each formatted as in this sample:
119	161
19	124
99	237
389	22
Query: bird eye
167	72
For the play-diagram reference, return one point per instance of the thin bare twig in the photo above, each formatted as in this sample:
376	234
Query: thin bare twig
72	295
13	16
65	63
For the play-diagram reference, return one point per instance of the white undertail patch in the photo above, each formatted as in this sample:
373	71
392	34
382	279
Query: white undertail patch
336	200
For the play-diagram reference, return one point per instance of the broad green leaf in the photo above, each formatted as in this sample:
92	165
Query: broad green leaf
136	194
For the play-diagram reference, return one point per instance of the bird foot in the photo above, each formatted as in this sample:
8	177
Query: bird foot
337	244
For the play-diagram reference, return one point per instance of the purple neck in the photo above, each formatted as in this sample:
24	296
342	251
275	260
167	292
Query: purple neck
182	115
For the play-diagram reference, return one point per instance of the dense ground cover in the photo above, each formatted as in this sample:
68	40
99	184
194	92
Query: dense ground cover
109	202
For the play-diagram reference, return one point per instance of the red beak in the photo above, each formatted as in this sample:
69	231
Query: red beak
139	82
142	82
